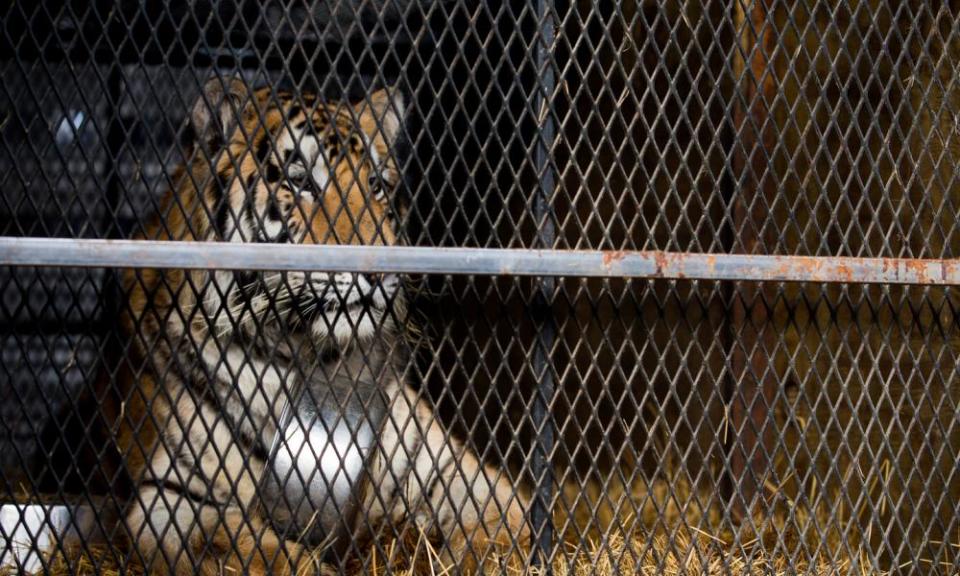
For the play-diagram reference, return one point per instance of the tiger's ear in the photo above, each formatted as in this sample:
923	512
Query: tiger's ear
217	112
385	107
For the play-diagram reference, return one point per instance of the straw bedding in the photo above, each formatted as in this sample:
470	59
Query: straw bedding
672	536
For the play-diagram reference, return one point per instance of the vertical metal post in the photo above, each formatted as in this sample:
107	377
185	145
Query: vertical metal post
115	143
755	383
545	427
116	140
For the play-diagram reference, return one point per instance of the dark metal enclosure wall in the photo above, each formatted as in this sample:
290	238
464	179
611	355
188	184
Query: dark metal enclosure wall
693	425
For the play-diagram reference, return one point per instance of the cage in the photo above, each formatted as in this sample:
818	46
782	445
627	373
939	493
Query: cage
417	287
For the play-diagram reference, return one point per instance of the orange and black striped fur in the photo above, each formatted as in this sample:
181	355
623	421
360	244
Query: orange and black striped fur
212	354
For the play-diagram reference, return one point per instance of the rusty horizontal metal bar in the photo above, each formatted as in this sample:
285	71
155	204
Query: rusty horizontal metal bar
480	261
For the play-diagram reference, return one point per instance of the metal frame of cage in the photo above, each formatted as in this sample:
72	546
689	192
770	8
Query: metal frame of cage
543	262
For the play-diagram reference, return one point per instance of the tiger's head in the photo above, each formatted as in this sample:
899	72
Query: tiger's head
282	168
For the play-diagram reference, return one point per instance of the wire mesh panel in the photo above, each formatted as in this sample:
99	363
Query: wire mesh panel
456	286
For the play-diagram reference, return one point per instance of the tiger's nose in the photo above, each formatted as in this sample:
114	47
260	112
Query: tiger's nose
371	282
367	282
372	278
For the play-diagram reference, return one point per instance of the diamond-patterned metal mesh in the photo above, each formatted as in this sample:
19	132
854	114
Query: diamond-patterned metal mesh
626	425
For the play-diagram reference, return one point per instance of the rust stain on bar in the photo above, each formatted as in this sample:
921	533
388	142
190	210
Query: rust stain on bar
919	270
662	264
609	257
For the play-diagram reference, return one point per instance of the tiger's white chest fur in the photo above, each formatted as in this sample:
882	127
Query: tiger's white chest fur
322	459
311	488
312	483
329	412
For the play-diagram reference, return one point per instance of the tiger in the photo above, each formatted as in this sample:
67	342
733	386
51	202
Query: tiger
214	354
